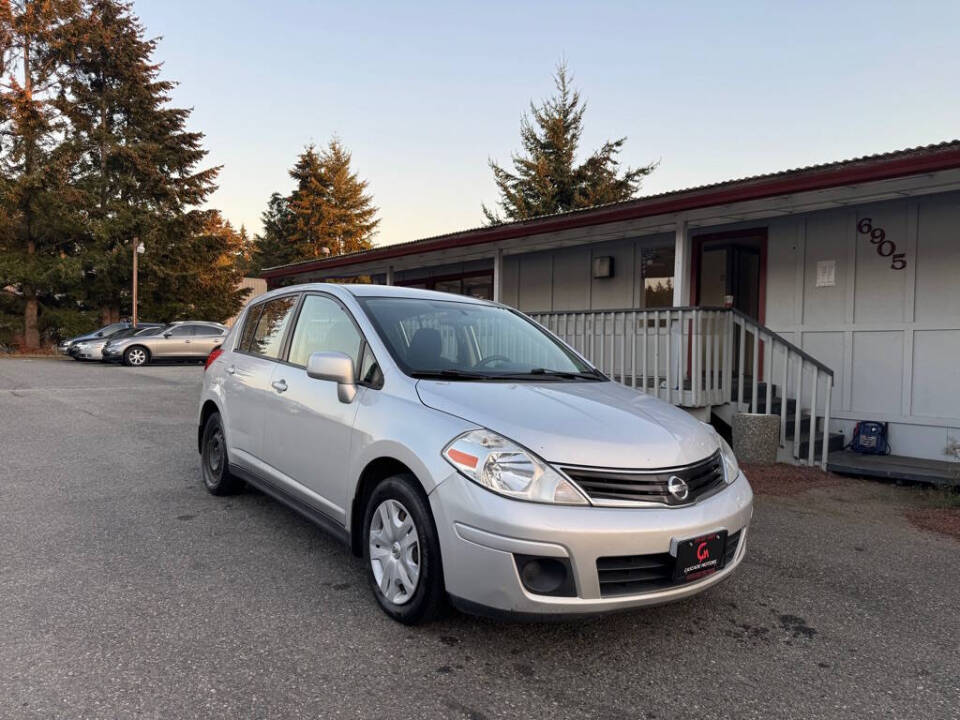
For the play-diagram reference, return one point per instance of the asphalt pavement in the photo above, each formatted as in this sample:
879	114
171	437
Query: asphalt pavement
126	591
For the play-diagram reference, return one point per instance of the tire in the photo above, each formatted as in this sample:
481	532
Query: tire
390	555
136	356
214	464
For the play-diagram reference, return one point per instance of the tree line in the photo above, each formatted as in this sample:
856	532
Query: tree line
329	211
95	159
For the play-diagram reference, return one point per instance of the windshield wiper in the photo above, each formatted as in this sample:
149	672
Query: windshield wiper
562	374
451	375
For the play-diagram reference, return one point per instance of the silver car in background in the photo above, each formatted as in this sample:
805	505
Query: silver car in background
182	340
466	453
92	349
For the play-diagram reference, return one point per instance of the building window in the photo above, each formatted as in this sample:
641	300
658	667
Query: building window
473	284
657	269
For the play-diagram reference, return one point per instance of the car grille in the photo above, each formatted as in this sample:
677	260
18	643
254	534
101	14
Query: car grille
624	487
637	574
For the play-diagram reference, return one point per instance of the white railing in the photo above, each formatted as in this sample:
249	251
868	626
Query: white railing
699	357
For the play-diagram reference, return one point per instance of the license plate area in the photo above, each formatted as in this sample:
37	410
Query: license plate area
700	556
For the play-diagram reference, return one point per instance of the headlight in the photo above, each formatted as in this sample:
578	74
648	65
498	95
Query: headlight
730	467
506	468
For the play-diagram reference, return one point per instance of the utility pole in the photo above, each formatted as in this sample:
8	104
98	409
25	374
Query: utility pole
138	249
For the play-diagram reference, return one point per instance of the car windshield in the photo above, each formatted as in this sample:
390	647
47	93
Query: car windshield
111	330
120	334
467	341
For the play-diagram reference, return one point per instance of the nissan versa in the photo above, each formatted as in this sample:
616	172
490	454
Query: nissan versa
466	453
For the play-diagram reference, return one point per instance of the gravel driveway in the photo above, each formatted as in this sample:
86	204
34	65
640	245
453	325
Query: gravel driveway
127	591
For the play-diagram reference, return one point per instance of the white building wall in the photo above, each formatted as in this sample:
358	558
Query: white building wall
891	336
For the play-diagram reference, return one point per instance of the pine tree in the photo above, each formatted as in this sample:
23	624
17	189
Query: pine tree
274	246
37	230
307	206
350	214
546	178
137	174
329	211
197	274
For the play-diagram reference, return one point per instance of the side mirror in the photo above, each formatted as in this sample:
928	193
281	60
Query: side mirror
99	334
336	367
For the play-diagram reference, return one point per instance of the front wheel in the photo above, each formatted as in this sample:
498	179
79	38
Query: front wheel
402	551
136	356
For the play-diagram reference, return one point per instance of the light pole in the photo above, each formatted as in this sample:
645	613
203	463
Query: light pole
138	250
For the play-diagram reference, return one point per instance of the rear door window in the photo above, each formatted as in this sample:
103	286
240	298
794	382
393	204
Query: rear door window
267	340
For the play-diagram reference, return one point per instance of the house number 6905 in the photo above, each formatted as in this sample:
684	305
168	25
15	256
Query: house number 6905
885	248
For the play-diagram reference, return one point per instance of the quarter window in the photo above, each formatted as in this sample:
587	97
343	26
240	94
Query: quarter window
249	328
323	326
268	337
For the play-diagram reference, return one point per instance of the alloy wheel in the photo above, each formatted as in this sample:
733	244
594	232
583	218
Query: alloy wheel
137	356
394	551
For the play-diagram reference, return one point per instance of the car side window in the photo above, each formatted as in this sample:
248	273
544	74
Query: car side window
249	328
182	331
205	330
268	338
324	326
370	373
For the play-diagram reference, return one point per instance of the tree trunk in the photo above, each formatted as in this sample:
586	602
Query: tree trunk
31	333
109	314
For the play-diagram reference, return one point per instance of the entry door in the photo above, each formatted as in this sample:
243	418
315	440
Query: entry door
731	272
730	277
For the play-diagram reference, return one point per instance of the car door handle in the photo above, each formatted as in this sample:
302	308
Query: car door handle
231	370
279	385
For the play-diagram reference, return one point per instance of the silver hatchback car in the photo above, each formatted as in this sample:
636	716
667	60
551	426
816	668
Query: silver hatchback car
468	454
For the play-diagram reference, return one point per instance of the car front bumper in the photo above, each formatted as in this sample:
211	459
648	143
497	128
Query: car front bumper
92	353
481	533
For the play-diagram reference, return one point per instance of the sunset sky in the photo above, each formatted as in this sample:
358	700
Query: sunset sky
424	93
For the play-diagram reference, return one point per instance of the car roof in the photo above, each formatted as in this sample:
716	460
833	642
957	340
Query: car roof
197	322
369	290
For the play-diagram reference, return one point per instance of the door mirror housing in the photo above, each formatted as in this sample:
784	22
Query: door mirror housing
336	367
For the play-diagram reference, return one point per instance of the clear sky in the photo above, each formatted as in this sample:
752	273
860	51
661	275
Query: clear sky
423	93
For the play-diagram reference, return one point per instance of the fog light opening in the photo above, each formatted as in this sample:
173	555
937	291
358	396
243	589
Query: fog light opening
546	575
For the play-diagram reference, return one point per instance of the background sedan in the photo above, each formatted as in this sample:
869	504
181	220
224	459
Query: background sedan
185	340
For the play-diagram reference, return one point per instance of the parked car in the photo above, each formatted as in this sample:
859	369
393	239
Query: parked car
182	340
467	453
92	349
128	334
104	332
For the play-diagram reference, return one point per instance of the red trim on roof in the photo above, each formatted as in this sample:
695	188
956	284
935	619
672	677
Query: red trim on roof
883	167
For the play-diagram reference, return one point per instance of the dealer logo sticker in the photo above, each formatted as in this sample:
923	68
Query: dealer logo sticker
678	488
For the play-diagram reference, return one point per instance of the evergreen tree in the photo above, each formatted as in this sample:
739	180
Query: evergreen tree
137	176
329	211
37	230
350	214
274	246
546	178
194	273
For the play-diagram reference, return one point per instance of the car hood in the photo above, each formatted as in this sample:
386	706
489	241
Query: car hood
598	424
